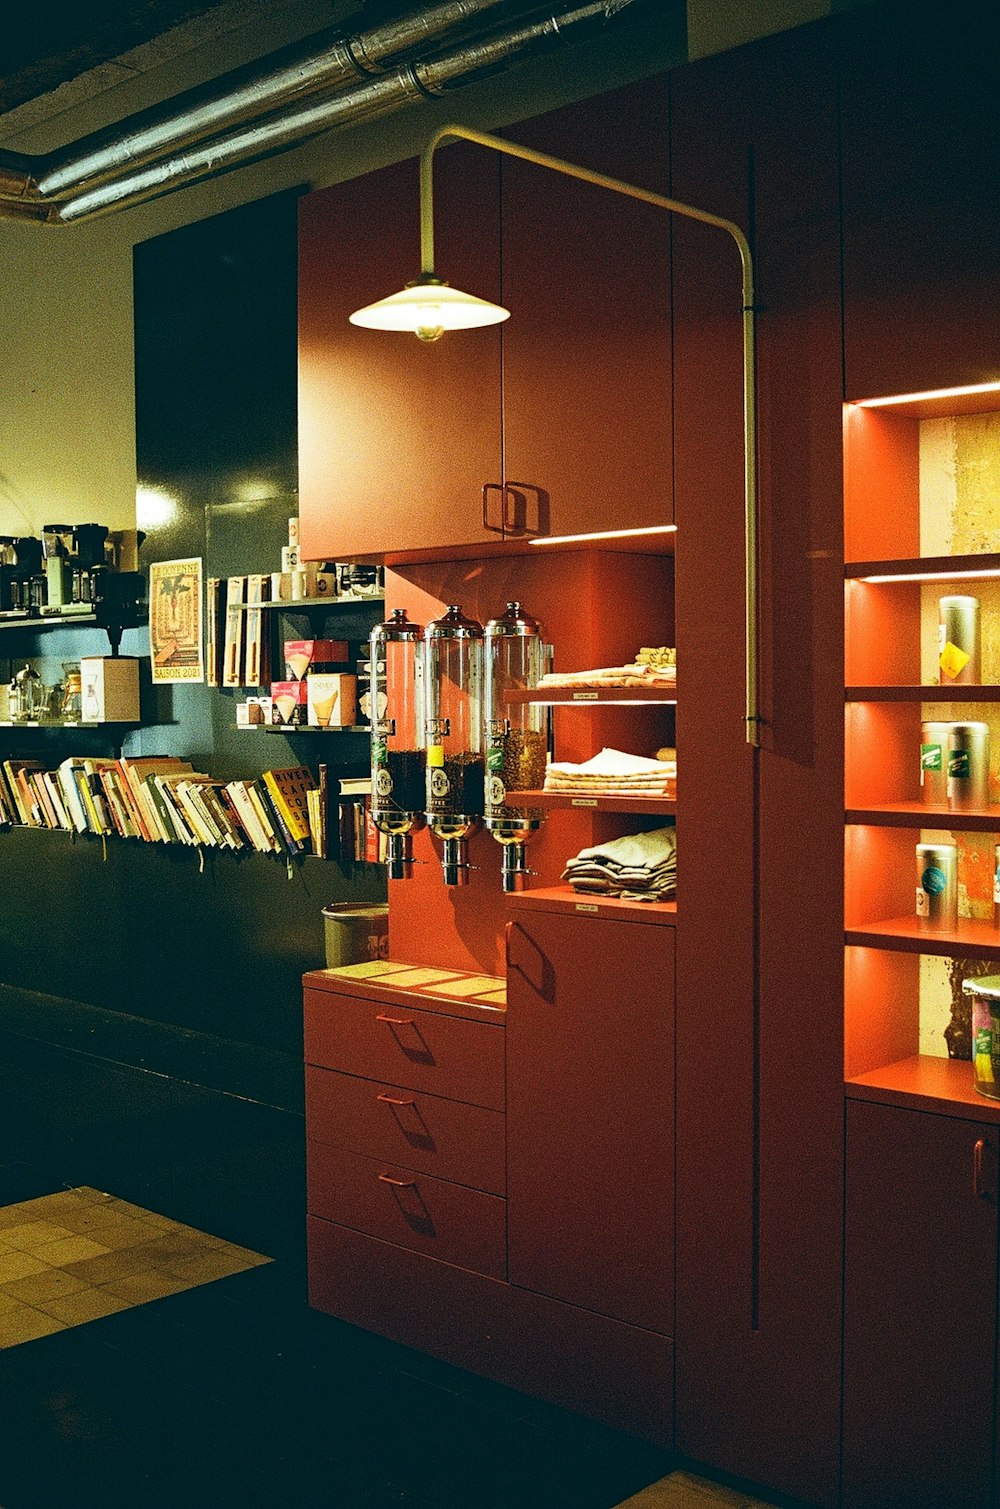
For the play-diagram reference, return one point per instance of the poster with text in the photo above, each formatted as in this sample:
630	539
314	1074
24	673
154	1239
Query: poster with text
175	615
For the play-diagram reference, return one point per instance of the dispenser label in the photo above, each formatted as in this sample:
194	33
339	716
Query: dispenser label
435	757
953	660
438	783
931	757
383	782
496	791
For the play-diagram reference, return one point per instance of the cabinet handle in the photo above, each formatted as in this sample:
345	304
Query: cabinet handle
488	488
397	1183
387	1100
978	1187
396	1021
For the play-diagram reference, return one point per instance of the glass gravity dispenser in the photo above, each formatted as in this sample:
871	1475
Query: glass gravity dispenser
516	736
398	754
453	683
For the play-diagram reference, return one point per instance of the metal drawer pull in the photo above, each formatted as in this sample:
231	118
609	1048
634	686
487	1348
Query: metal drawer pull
387	1100
398	1183
396	1021
978	1188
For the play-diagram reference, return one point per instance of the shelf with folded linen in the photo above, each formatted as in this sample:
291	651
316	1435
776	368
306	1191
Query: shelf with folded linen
547	800
563	898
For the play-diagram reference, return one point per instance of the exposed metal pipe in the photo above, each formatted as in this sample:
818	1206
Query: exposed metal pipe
320	90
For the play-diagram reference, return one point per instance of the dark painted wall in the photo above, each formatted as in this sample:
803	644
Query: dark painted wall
134	951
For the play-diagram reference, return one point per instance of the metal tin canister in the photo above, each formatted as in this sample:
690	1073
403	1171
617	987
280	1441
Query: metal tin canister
968	765
934	763
985	995
958	640
937	887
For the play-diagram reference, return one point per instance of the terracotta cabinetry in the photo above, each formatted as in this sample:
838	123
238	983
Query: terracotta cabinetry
590	1112
920	1309
407	448
921	186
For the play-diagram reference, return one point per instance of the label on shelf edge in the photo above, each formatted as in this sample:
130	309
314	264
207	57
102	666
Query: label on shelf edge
590	907
584	801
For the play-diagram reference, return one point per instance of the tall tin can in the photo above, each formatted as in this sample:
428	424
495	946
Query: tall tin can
968	765
934	763
958	640
937	887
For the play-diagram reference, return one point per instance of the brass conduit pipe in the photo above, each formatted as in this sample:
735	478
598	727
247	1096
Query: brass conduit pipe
674	206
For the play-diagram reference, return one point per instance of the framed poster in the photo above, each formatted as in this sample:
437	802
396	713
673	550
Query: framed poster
175	615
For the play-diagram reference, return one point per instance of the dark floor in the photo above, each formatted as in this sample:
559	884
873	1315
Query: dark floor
235	1393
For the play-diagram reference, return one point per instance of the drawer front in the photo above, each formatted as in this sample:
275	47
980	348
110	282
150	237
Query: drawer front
442	1220
420	1050
447	1138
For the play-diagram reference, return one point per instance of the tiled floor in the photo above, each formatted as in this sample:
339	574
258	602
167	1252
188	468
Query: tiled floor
233	1394
81	1254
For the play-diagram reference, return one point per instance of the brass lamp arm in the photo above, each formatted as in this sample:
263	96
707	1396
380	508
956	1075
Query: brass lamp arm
676	207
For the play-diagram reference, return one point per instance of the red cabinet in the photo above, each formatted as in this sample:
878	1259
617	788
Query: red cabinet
590	1063
403	446
921	198
396	438
920	1309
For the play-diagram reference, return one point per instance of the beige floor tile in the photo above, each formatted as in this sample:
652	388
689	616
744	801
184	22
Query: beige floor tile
169	1247
88	1304
32	1234
16	1265
140	1288
71	1249
204	1267
39	1287
128	1232
91	1217
107	1268
26	1324
684	1490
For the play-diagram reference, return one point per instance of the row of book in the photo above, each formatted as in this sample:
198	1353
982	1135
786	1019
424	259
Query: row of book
163	799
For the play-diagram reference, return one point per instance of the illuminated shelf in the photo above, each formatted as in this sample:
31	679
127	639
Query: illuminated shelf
925	1083
563	898
919	815
924	567
974	940
571	696
554	799
935	693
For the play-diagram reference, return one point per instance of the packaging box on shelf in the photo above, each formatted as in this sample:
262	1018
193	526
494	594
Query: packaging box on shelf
331	699
305	655
288	702
109	689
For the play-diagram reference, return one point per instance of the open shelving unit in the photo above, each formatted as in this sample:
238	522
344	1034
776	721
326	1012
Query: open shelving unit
910	494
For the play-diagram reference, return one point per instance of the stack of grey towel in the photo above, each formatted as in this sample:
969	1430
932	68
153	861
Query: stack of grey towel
639	867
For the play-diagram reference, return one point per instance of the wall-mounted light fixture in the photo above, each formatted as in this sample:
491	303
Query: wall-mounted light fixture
429	306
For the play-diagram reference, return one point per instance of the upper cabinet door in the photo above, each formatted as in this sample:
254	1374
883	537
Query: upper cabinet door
921	185
397	438
587	349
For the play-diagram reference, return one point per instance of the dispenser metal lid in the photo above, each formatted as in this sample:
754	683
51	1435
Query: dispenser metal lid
454	625
397	626
514	621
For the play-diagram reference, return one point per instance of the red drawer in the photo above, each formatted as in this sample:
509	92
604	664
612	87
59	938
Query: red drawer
442	1220
425	1132
421	1050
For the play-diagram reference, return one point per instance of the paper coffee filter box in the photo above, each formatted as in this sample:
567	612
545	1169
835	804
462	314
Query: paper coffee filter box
287	697
332	700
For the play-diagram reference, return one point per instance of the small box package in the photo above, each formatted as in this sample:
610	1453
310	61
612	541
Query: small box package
109	689
305	655
331	699
288	702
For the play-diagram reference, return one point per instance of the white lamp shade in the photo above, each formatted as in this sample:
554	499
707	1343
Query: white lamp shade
427	309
